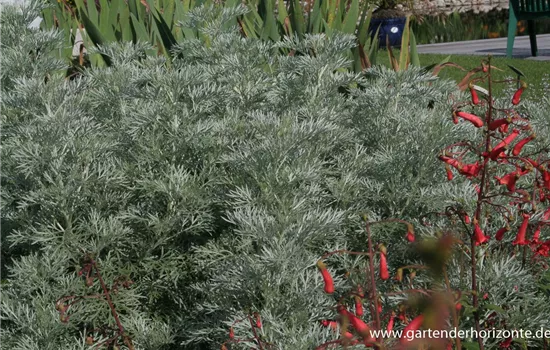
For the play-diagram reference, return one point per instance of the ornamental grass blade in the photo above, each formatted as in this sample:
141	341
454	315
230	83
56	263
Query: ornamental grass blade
92	13
364	24
168	40
114	8
333	4
405	40
95	36
266	12
105	26
126	28
132	5
415	58
282	14
314	18
168	14
352	16
339	18
393	60
139	29
364	59
297	17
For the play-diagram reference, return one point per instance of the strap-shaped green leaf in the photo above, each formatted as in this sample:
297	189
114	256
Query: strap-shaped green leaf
297	17
314	18
166	35
140	30
95	36
415	58
351	18
404	54
105	26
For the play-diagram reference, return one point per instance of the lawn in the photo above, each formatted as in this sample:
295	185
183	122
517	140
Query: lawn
537	73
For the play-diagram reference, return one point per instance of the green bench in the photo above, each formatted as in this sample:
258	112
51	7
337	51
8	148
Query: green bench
529	10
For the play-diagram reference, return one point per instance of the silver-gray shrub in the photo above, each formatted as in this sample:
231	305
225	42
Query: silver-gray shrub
215	183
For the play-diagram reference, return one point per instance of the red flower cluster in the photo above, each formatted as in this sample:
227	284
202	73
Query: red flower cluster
492	156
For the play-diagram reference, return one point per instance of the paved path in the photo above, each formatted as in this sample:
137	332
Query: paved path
496	47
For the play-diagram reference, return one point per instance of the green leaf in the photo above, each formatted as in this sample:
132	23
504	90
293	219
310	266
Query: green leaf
128	33
133	8
139	29
364	24
352	16
166	35
95	35
93	15
105	26
314	19
404	57
113	13
515	70
297	17
415	58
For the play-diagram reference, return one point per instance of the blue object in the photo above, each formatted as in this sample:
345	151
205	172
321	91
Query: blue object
391	27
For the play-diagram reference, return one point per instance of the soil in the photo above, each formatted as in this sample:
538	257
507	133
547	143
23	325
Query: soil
388	13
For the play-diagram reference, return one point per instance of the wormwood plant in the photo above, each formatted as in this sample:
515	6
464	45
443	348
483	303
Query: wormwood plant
215	185
512	184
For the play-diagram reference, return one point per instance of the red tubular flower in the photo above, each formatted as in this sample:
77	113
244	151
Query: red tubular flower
330	323
479	236
327	278
384	274
473	93
503	128
258	321
497	153
501	146
358	324
546	214
451	161
358	306
517	95
231	333
470	170
389	327
497	123
412	327
511	185
348	335
546	178
474	119
449	172
410	233
467	219
520	238
506	343
517	148
543	249
500	233
509	180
